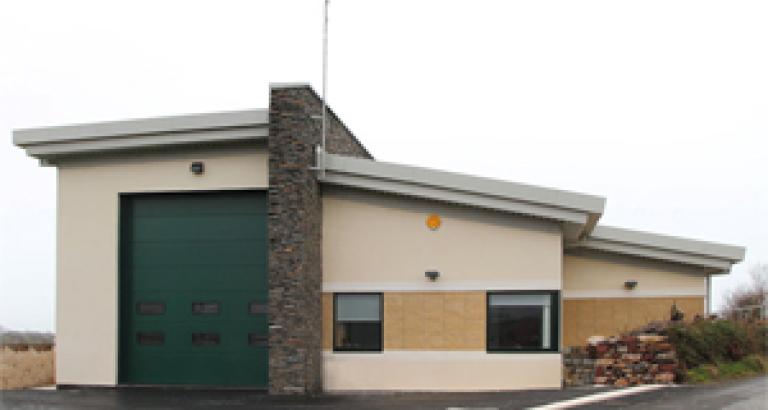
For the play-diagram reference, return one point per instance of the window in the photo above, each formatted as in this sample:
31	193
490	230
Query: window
357	322
205	339
258	308
150	308
205	308
258	340
522	321
150	338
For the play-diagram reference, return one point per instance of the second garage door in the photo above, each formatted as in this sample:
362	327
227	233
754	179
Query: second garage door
194	289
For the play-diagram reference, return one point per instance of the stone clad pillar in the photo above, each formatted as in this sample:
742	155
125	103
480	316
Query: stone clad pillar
295	235
295	239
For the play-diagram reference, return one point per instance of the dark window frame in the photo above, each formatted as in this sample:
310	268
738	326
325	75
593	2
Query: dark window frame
554	322
381	323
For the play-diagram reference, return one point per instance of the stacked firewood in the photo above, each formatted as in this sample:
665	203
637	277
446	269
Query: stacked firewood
632	360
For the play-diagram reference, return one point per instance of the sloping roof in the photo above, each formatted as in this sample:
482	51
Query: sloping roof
578	212
49	142
712	256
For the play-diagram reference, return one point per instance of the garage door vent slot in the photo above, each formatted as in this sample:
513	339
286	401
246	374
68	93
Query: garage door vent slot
205	339
150	308
205	308
150	338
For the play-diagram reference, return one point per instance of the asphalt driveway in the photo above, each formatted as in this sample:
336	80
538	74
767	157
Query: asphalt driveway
747	394
743	394
219	399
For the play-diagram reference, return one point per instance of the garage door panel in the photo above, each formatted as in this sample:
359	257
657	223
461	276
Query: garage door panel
183	254
202	369
229	337
217	203
199	228
235	277
196	305
194	289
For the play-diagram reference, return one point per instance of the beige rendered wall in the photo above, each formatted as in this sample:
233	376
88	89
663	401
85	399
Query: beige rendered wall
87	248
376	242
433	332
403	370
596	303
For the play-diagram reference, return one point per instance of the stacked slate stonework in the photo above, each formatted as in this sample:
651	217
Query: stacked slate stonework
632	360
579	368
621	361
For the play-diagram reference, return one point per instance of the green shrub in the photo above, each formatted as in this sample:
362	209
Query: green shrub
717	341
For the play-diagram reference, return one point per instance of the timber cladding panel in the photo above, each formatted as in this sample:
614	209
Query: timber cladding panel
425	321
583	318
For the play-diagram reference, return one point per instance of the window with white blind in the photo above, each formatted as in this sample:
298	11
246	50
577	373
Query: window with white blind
357	322
522	321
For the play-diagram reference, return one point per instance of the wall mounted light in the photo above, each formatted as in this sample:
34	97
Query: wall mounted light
433	222
630	284
197	168
432	275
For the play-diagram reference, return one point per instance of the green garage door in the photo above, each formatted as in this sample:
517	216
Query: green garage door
194	289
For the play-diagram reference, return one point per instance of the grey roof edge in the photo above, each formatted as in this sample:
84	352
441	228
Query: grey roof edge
577	211
730	253
567	200
715	257
279	85
142	126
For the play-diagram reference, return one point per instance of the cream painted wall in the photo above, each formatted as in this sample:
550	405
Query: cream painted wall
588	276
440	371
87	248
376	242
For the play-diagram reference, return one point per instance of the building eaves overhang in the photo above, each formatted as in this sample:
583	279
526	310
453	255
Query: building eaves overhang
712	257
577	212
48	143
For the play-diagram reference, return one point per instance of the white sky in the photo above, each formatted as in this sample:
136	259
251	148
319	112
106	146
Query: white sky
661	106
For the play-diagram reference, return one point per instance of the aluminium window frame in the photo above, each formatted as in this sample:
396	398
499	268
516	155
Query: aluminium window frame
381	323
555	316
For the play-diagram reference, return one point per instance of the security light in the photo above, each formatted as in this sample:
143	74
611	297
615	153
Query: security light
630	284
197	168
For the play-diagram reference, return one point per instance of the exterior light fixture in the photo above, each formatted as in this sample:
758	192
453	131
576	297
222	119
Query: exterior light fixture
197	168
630	284
432	275
434	222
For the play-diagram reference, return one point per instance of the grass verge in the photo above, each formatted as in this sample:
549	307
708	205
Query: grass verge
752	365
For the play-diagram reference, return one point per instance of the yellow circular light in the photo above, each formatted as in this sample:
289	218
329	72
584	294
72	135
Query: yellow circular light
434	222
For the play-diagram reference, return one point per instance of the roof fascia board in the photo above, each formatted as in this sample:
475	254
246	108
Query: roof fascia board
670	243
655	253
506	190
52	150
459	197
146	126
436	185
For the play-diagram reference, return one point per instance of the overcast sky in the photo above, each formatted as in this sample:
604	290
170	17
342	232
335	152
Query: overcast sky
660	106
